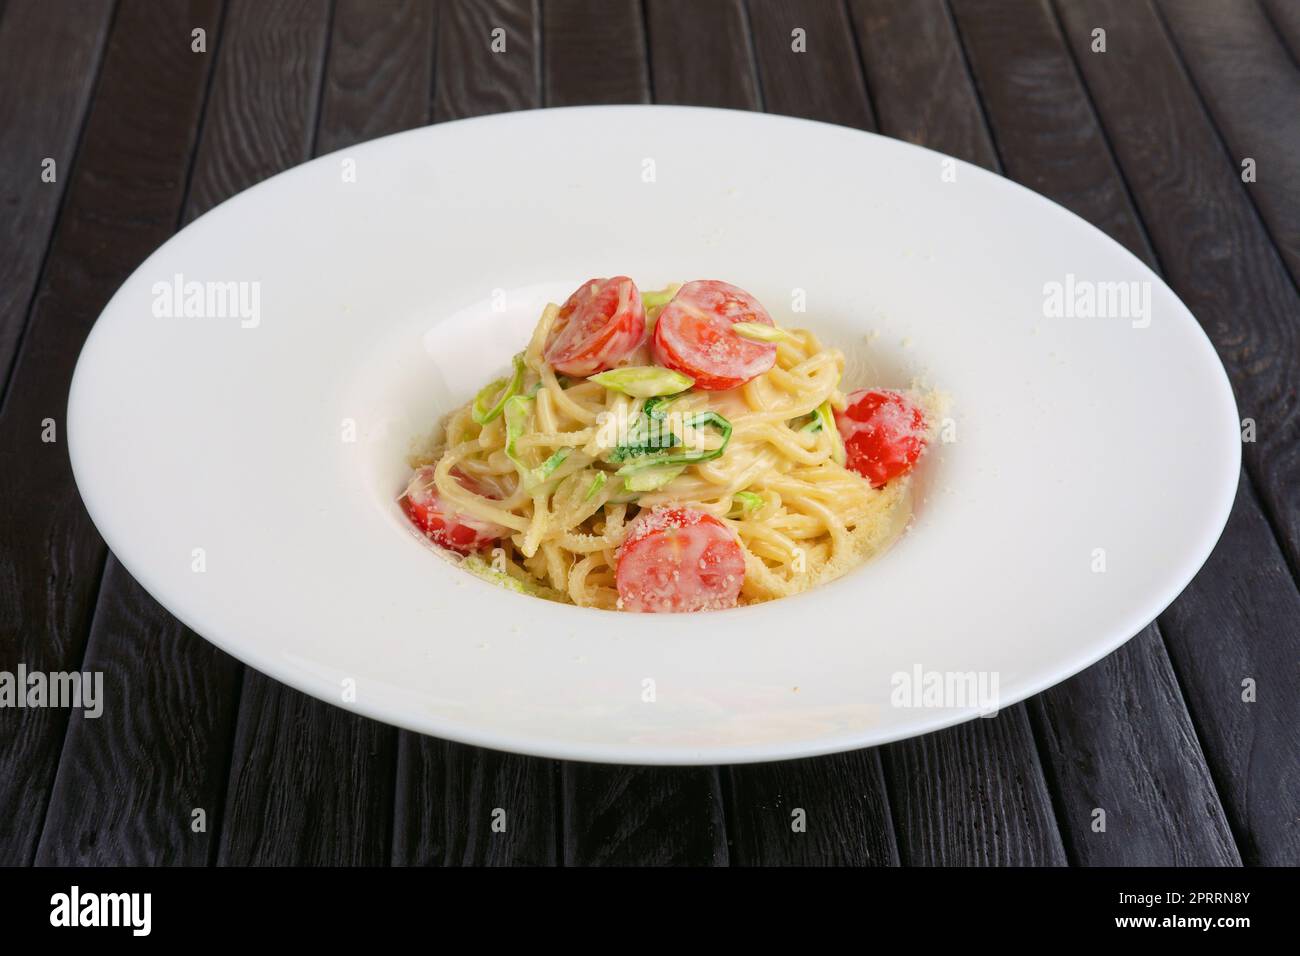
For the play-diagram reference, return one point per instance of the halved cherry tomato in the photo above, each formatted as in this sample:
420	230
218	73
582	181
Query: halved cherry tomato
693	335
457	532
597	327
679	559
884	434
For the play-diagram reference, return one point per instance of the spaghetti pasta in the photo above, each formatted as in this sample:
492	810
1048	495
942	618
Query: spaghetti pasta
556	480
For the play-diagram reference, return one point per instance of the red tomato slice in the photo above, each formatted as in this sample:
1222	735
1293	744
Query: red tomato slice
884	434
693	335
677	559
457	532
599	326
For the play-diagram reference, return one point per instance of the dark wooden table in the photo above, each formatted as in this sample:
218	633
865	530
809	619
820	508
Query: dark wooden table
1188	738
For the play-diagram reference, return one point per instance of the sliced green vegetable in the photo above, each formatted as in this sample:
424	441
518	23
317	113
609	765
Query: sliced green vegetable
477	566
659	298
498	393
758	332
652	479
824	420
655	407
646	435
538	475
690	457
644	381
596	484
744	501
516	414
822	417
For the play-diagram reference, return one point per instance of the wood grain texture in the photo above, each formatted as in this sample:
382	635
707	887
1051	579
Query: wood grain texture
130	780
446	794
1118	739
919	79
465	806
41	116
1087	747
1284	15
973	795
262	115
379	71
839	803
824	82
594	52
1239	621
1040	115
472	79
700	54
1215	251
1221	263
1249	82
642	816
310	784
124	197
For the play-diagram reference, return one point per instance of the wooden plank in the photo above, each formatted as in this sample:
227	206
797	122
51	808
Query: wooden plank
124	196
700	54
262	113
143	784
594	52
380	71
464	806
1284	15
618	814
1214	249
1251	87
1149	794
1220	261
919	78
1040	116
472	78
1239	621
642	816
824	81
1130	782
447	795
922	90
309	782
825	811
973	795
41	115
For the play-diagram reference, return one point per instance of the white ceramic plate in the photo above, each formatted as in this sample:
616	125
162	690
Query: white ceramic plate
396	277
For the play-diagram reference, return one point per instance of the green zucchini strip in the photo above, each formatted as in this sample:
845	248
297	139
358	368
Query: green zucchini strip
692	457
502	390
